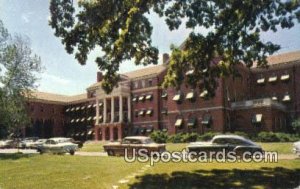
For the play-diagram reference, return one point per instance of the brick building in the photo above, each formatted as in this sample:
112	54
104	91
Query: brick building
257	100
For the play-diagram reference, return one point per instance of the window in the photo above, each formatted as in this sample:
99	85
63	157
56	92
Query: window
32	108
286	98
143	83
260	81
142	98
190	96
190	72
178	97
179	122
274	97
257	118
207	119
164	111
134	99
142	130
141	112
149	112
164	95
42	109
149	129
150	83
136	84
285	77
149	97
204	94
136	113
272	79
192	122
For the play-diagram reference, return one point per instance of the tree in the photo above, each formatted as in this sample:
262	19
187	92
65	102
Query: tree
123	32
19	67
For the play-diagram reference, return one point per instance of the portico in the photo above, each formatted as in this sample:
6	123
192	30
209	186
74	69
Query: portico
113	113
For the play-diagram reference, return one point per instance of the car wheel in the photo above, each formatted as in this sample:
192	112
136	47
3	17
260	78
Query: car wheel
72	152
110	152
40	151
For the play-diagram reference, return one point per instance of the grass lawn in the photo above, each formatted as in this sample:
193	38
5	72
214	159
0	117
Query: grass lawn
62	171
284	174
78	172
93	147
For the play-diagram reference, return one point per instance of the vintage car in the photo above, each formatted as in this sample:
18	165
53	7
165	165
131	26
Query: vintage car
35	144
6	144
133	144
229	143
296	148
58	146
24	143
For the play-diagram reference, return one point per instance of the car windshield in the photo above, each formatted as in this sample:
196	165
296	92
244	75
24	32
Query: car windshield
50	142
148	141
232	141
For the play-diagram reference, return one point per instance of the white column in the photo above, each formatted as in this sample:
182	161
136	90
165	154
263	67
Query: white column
112	109
120	108
129	108
97	111
104	110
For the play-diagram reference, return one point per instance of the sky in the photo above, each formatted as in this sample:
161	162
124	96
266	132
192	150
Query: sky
63	75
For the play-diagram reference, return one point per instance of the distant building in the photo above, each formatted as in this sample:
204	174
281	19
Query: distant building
257	100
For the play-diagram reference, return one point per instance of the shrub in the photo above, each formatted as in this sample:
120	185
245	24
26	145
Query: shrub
286	137
207	136
190	137
267	137
243	134
159	136
177	138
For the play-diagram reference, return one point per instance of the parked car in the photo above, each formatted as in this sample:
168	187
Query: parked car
131	143
58	146
6	144
35	144
229	143
25	143
296	148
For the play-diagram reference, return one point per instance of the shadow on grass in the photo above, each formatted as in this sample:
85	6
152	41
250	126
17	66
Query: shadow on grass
217	178
15	156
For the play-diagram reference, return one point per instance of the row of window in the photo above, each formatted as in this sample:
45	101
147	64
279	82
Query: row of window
143	112
84	119
142	98
78	108
142	84
273	79
189	96
142	129
192	122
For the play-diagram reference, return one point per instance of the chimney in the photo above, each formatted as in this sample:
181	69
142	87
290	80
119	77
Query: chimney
99	76
166	58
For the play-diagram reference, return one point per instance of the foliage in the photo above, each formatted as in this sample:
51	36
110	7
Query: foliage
159	136
296	126
17	78
267	137
177	138
276	137
207	136
190	137
122	31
